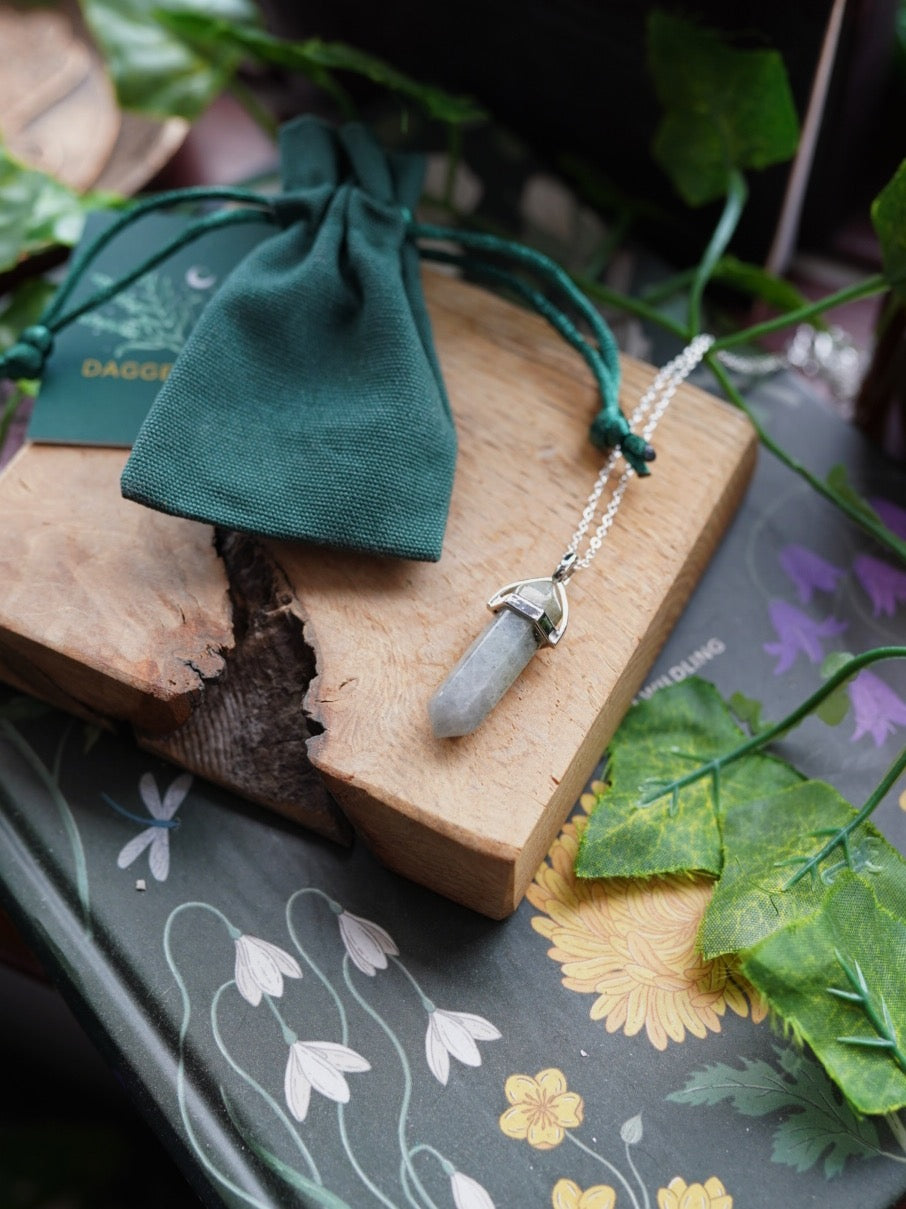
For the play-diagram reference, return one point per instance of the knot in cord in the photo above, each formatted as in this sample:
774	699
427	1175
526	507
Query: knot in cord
26	358
609	431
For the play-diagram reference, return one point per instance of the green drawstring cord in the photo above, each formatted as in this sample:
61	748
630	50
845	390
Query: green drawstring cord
570	333
26	358
210	222
609	429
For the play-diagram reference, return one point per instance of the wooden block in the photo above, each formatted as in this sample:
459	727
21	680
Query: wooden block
365	640
116	612
473	817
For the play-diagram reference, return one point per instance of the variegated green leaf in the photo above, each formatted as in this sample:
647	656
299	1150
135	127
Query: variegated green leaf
763	842
643	825
725	108
802	972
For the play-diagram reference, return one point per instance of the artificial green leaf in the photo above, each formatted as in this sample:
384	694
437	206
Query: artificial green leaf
724	108
888	213
801	972
662	739
37	212
153	69
24	306
318	61
748	711
764	840
834	708
838	481
748	278
757	282
604	193
816	1121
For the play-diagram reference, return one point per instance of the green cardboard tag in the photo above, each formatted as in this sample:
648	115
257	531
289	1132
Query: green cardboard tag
107	367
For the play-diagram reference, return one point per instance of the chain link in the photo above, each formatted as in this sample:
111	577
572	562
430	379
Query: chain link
649	412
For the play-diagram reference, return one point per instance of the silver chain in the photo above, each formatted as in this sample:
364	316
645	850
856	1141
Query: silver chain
650	410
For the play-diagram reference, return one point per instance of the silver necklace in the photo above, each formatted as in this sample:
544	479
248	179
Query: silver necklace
532	613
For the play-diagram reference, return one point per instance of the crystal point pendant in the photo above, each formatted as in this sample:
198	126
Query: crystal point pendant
529	614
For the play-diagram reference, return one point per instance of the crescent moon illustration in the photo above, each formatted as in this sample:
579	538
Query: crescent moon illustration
199	278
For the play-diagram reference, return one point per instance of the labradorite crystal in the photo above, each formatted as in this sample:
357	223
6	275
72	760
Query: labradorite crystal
490	665
483	675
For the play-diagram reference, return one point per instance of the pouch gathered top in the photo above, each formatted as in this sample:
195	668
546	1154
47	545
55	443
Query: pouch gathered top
308	401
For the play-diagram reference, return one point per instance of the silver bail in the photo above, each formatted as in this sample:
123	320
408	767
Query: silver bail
565	568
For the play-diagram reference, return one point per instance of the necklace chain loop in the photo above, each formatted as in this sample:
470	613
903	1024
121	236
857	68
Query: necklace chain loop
649	412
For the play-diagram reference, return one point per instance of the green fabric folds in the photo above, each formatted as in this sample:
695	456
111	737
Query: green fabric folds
308	402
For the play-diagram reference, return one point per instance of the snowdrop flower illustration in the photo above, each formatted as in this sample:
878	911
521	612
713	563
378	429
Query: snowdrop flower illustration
157	835
885	585
797	632
455	1033
367	944
319	1065
878	709
468	1193
809	571
260	968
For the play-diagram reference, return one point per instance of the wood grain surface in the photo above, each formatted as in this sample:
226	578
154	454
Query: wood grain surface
244	658
473	817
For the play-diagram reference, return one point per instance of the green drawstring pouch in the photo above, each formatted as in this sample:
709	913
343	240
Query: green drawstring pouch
308	402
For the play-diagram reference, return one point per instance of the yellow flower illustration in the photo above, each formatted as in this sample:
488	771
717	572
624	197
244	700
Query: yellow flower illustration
568	1195
680	1195
541	1109
632	944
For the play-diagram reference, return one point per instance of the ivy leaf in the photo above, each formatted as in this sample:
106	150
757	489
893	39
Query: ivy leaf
763	840
796	967
725	108
318	61
675	731
817	1120
748	711
25	306
759	283
833	709
153	69
838	481
38	212
888	214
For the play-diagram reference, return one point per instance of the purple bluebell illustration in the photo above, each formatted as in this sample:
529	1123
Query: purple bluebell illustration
877	707
796	632
885	585
809	571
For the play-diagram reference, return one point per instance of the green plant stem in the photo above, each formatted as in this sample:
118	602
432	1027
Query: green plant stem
260	115
878	531
633	306
842	835
454	156
603	254
875	284
763	738
717	245
663	291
